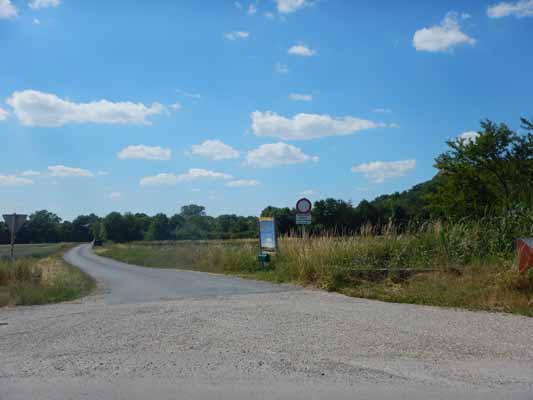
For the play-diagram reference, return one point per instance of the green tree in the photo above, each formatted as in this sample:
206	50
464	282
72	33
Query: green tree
488	173
41	227
159	228
115	227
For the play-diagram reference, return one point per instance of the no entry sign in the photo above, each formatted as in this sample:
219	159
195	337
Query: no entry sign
303	206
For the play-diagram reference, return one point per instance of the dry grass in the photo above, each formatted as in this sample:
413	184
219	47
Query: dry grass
444	265
38	280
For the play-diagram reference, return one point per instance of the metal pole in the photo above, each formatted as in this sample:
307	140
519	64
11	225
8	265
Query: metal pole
13	238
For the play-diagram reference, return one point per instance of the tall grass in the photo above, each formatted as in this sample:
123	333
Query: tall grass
39	280
468	264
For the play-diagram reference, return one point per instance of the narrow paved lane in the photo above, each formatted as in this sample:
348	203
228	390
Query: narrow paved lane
127	284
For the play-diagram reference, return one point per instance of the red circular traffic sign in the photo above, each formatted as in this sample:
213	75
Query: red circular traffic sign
303	206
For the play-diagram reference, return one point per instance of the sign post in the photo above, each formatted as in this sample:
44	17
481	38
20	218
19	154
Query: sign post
14	223
524	247
267	239
303	216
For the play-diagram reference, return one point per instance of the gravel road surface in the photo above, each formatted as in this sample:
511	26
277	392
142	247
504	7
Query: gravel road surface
245	340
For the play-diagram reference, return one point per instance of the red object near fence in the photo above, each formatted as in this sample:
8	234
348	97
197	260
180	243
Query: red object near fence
524	247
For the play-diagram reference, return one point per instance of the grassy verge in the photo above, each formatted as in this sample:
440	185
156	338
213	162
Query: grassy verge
445	268
42	279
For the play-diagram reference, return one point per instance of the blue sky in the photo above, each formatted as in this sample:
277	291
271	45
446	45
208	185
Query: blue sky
147	106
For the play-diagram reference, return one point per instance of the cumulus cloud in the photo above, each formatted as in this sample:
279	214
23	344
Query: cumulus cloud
63	171
307	126
518	9
34	108
242	183
176	106
309	192
301	50
274	154
443	37
102	173
3	114
145	153
7	9
191	175
115	195
30	172
300	97
35	4
468	137
236	35
12	180
214	150
379	171
281	68
290	6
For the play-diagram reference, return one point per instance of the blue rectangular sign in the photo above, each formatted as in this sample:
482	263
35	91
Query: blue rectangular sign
267	233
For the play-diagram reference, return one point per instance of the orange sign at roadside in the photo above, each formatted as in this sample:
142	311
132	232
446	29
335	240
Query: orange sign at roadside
524	247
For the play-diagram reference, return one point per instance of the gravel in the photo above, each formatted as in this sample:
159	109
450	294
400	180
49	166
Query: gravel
290	344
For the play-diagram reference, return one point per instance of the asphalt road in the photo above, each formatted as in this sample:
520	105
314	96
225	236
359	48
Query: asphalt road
225	338
128	284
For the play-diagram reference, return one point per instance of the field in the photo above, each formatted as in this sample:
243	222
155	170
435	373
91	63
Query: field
30	250
40	275
437	265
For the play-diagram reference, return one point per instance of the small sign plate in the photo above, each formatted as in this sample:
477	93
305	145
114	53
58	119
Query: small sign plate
303	219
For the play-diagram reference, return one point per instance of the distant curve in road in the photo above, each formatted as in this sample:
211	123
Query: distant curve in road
129	284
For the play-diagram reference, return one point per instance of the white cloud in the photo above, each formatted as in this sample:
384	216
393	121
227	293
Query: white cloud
519	9
309	192
145	152
382	110
379	171
236	35
273	154
189	94
269	15
30	172
12	180
7	9
191	175
300	97
35	4
3	114
281	68
468	137
301	50
115	195
36	108
289	6
443	37
242	183
252	9
307	126
214	150
103	173
176	106
36	21
63	171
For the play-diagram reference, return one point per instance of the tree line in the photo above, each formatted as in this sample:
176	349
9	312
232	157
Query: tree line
477	177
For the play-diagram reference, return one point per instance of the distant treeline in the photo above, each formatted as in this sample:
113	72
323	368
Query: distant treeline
478	177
